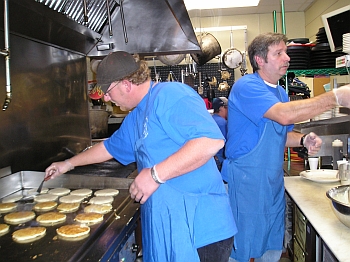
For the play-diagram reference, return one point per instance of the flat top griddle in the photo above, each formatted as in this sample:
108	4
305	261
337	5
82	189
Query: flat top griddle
51	248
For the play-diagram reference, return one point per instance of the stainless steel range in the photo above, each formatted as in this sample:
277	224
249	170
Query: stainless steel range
111	240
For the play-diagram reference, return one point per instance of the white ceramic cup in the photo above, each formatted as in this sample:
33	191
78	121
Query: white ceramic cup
313	163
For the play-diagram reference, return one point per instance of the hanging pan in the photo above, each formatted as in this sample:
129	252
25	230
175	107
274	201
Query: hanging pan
232	57
171	59
210	48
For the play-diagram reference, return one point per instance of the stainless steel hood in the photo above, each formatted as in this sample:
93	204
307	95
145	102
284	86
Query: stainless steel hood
147	27
151	27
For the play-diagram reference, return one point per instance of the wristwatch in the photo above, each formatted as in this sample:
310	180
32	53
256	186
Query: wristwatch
302	140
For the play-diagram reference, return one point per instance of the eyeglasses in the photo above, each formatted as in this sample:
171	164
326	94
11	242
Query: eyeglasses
108	91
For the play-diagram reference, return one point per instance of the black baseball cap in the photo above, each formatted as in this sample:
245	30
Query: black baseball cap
219	102
114	67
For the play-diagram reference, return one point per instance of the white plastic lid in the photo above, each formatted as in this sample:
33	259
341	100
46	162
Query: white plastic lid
337	142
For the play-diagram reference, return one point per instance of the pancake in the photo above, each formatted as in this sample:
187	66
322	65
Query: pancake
16	218
45	206
51	218
45	198
11	199
73	232
29	234
61	191
85	192
101	209
107	192
71	199
68	207
89	218
100	200
7	207
4	228
44	190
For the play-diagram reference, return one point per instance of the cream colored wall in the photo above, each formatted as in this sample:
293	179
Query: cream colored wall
313	21
256	24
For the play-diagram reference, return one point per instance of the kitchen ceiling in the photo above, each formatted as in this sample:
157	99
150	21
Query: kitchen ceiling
265	6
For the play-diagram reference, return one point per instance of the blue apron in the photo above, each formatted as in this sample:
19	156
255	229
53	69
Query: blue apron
256	190
168	216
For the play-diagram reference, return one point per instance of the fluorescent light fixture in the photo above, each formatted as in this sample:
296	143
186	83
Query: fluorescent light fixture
210	4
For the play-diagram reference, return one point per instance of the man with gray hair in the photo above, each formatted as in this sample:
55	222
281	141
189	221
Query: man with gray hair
260	126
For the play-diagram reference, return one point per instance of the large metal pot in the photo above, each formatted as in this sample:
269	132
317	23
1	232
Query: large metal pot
210	48
98	123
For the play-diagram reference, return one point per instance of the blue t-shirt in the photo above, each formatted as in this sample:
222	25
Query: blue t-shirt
249	99
176	115
222	124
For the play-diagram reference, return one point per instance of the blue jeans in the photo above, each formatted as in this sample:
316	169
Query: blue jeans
217	252
268	256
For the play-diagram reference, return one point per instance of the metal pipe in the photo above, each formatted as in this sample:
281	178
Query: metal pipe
109	19
283	19
274	21
6	53
123	22
86	19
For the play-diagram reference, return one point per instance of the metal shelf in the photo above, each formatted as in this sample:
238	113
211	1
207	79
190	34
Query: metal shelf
322	71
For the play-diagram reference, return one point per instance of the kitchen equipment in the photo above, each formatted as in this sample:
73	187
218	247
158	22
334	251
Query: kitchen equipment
200	87
344	173
108	241
340	203
210	48
171	59
223	86
98	123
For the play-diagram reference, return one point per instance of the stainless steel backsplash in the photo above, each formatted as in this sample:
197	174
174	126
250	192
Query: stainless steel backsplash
49	107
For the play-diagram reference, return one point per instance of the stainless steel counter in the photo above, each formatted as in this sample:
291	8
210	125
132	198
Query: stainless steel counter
311	198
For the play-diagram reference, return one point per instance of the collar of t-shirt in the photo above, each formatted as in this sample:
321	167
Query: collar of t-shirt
269	84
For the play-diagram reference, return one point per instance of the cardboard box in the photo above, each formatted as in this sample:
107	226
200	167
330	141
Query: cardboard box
318	85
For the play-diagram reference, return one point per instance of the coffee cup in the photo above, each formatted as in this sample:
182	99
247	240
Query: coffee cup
313	163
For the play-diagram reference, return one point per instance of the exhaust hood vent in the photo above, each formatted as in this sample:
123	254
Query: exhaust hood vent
97	27
90	13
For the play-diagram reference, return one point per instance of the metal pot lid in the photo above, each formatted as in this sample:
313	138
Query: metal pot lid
232	58
171	59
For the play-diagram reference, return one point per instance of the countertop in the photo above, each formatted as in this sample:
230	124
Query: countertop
311	198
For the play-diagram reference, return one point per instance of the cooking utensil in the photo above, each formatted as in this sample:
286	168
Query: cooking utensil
340	202
210	48
232	57
42	183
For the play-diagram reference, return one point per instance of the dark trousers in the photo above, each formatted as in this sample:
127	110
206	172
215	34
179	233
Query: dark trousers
217	252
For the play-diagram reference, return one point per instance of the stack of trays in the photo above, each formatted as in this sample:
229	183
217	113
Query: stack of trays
299	53
321	55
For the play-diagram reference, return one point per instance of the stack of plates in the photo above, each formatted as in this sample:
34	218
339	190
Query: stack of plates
346	43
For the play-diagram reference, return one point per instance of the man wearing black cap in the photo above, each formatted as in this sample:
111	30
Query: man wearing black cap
220	117
185	210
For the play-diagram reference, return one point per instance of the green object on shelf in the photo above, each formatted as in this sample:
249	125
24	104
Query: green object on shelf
321	71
